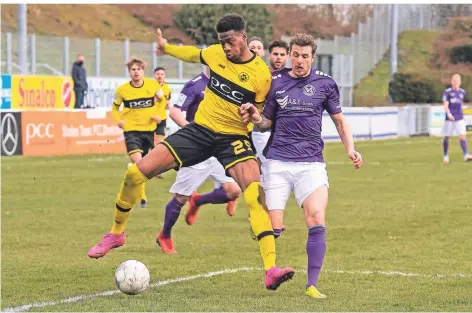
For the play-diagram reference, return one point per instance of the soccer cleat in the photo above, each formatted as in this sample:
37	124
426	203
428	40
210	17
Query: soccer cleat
166	244
468	157
314	293
143	204
276	276
446	159
192	212
108	242
231	207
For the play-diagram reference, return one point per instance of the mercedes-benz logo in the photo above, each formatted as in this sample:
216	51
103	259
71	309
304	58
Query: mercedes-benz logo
9	134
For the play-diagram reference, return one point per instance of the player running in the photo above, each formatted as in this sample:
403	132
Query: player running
139	116
237	76
163	98
453	102
190	178
295	104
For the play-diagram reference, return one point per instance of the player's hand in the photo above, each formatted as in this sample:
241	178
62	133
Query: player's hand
249	113
356	158
121	124
157	119
161	42
450	117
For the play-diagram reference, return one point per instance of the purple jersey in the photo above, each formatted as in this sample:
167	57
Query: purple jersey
295	106
456	100
191	96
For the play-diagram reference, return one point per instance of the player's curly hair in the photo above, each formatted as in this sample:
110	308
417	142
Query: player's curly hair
135	60
231	21
303	40
278	44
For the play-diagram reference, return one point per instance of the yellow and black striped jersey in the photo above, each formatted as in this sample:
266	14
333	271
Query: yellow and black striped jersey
139	106
230	85
162	102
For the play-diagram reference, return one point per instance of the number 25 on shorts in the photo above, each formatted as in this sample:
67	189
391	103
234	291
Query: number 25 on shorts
240	147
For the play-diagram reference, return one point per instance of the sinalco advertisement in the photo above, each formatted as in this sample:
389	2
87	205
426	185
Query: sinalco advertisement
30	92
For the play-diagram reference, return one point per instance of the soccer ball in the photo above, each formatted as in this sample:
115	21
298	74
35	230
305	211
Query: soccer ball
132	277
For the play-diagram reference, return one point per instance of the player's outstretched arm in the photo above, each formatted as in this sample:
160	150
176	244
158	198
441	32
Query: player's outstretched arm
188	54
344	131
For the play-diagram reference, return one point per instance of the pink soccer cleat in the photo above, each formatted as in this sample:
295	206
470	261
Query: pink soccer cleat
108	242
276	276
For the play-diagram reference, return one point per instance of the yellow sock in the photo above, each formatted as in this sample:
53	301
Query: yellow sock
261	225
143	192
129	195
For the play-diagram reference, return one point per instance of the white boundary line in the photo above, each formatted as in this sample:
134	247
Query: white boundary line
26	307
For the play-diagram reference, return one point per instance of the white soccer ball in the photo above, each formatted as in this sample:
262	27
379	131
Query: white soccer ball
132	277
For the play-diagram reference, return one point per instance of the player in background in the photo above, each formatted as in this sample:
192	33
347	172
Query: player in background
188	179
163	98
295	104
278	53
453	102
237	76
139	116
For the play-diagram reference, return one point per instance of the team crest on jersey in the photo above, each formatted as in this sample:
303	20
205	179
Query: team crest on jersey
461	96
282	101
243	77
309	90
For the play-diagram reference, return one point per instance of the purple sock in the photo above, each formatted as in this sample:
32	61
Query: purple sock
218	195
445	146
277	232
464	147
316	249
172	215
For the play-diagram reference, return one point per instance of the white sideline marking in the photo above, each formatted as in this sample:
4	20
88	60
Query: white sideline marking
26	307
396	273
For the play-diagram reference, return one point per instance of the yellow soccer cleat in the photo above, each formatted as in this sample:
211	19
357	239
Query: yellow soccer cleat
314	293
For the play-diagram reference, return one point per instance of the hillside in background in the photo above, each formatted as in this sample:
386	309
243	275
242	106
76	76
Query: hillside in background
428	56
136	21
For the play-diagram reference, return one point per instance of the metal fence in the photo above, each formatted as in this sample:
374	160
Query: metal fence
352	57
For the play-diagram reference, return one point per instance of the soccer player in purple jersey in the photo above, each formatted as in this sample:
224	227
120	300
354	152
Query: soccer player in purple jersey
293	110
190	178
453	102
278	53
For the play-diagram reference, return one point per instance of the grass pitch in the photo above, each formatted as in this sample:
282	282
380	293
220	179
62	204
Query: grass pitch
403	212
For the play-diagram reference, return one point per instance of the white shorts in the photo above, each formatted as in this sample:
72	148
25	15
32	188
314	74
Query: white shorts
188	179
280	178
260	141
457	126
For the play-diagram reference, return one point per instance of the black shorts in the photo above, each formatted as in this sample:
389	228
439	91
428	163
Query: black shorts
193	144
137	141
161	128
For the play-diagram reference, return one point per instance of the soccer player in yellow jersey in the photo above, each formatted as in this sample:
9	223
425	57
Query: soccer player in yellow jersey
237	76
139	116
163	97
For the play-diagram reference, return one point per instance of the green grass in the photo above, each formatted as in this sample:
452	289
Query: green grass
415	50
404	211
